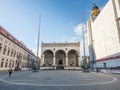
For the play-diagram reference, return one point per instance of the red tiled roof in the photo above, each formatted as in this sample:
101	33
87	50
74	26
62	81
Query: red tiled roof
13	39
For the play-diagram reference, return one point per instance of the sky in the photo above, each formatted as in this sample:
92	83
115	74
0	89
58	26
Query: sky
61	20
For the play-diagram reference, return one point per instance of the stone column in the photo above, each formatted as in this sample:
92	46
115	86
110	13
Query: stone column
66	60
42	62
53	60
78	60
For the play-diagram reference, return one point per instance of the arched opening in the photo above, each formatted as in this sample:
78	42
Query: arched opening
73	58
60	58
48	58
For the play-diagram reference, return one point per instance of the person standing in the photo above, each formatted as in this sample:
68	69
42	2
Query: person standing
10	72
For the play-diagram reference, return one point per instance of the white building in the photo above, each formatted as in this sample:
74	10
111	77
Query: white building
13	54
104	35
60	55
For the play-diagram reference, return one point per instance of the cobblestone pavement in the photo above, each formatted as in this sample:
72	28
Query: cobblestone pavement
59	80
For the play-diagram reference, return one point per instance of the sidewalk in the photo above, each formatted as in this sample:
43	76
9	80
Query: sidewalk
111	71
115	71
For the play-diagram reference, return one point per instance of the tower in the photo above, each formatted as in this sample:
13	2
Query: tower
95	12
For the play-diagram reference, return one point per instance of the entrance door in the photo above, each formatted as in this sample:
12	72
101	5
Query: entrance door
60	62
60	57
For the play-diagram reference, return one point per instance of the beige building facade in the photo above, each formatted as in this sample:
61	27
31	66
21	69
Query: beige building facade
66	55
13	54
104	35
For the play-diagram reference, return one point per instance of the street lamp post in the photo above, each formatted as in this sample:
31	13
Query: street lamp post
84	59
38	43
83	40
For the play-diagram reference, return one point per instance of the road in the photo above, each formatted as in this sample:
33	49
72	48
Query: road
58	80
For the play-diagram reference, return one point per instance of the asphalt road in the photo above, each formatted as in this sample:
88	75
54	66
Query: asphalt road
59	80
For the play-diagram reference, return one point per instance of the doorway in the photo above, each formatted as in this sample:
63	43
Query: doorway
60	62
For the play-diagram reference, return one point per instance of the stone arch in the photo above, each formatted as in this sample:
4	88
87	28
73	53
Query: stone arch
72	58
48	58
60	57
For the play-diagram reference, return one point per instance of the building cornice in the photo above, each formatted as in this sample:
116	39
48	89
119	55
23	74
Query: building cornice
77	44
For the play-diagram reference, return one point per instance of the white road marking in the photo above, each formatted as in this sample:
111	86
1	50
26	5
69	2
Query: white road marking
3	80
21	80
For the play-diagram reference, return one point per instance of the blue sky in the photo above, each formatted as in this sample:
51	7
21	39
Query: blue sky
60	19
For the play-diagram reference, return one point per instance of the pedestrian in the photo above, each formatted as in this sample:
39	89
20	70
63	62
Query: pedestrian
10	72
97	69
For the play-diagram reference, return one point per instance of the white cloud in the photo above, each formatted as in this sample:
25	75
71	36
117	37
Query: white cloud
78	37
78	32
72	39
75	39
78	29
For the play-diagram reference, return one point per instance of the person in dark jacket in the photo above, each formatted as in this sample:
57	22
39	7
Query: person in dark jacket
10	72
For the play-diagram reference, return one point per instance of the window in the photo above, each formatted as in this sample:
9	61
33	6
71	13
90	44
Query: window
6	63
16	61
2	63
1	39
10	64
17	55
0	47
4	51
104	64
13	64
8	52
6	41
12	53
